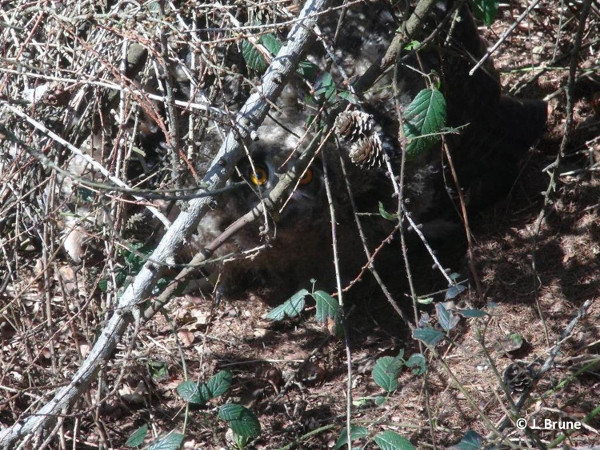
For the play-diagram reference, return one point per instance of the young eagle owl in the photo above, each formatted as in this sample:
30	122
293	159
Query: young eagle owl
275	254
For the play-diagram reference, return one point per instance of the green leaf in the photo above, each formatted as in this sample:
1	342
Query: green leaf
204	392
327	307
429	336
389	440
137	437
417	363
348	96
190	392
412	45
254	60
454	291
386	215
158	370
425	115
355	433
485	10
307	70
291	307
325	87
380	400
271	43
103	285
470	441
171	441
446	319
219	383
386	371
470	313
242	421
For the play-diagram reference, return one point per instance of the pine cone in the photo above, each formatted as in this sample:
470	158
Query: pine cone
357	128
519	377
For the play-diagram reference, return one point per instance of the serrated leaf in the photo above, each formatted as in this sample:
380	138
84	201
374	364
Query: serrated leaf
425	115
485	10
355	433
386	215
348	96
190	392
472	313
242	421
137	437
417	363
470	441
307	70
219	383
325	87
389	440
254	60
454	291
386	371
271	43
327	307
429	336
291	307
446	319
204	392
171	441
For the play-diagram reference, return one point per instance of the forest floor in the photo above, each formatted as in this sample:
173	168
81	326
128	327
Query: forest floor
536	304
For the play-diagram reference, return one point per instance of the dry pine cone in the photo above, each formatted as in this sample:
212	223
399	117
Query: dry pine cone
357	128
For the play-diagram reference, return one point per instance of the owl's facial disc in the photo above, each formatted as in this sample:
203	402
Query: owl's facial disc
262	175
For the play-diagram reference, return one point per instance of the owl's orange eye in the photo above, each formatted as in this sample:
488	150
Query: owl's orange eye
259	177
307	177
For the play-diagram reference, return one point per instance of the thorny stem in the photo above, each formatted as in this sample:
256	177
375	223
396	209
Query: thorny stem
465	218
338	281
399	190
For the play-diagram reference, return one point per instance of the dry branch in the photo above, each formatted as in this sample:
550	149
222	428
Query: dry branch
248	119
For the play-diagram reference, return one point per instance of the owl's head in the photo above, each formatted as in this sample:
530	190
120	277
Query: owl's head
261	172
